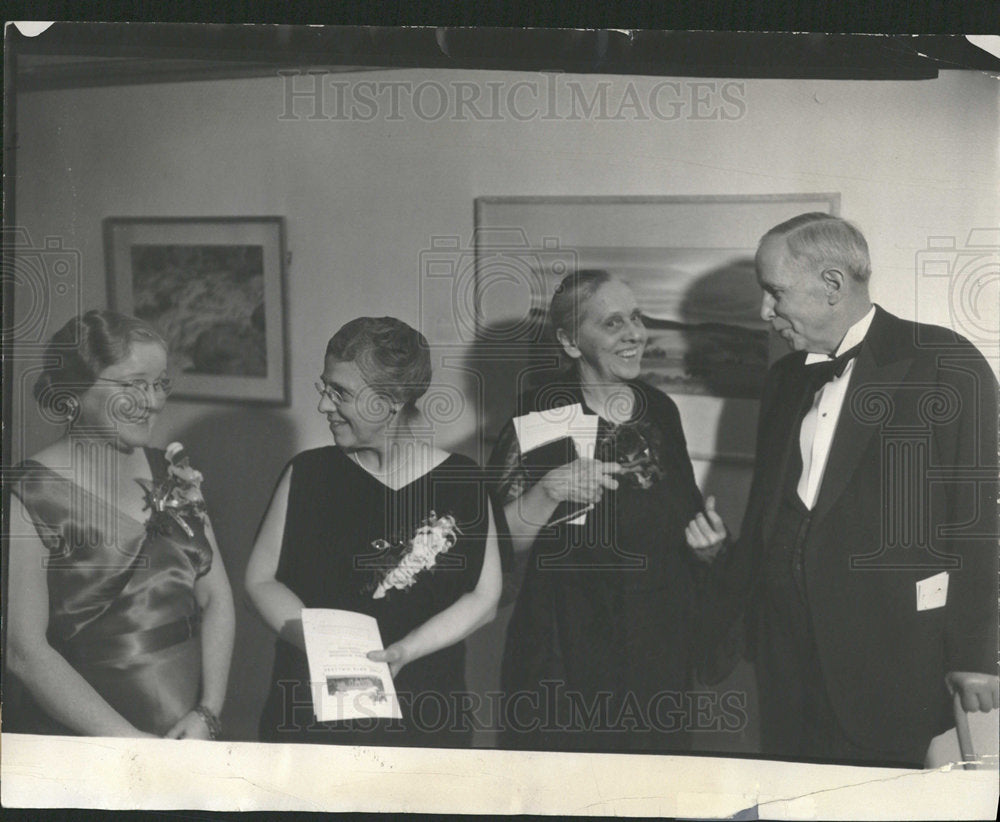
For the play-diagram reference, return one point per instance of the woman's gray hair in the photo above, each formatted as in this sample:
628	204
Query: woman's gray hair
392	357
570	299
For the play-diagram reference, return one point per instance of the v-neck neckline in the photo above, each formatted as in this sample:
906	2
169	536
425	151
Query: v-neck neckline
102	500
368	473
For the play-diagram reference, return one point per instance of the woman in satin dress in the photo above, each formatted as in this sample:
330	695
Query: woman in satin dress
120	616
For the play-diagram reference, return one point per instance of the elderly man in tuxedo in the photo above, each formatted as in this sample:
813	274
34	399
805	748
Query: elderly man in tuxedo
866	567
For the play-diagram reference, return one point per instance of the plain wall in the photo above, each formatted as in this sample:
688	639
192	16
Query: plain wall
911	160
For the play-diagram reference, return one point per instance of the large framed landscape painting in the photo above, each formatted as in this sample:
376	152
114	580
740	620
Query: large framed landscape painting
215	289
690	262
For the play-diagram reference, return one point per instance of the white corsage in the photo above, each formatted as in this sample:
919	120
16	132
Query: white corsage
178	497
434	536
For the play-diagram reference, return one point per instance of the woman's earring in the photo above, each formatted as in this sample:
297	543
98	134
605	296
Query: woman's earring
72	410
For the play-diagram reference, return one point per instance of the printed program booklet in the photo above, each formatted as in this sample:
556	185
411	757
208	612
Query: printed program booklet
345	683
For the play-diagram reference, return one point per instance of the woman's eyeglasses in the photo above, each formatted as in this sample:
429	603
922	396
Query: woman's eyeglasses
331	393
164	385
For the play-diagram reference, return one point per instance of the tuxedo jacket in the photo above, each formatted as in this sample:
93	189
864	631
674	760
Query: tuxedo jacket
909	493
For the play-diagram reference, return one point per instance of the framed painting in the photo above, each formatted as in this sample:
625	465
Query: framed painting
690	262
214	287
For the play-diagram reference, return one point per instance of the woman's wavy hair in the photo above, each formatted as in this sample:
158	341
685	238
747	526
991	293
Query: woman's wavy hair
79	351
393	358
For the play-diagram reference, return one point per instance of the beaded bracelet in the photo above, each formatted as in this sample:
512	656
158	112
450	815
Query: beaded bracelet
211	721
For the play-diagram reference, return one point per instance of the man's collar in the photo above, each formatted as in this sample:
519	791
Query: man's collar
855	334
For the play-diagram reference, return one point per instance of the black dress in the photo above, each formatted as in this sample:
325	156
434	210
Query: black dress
336	510
599	647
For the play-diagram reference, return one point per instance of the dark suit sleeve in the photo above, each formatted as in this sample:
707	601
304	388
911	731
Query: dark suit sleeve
966	450
740	567
728	589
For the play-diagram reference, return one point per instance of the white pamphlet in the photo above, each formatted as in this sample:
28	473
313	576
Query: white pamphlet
538	428
345	683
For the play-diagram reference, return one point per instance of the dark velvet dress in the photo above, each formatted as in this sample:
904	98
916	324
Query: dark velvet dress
599	647
336	510
122	608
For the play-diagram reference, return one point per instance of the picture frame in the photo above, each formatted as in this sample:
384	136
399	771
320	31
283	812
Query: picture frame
690	261
215	288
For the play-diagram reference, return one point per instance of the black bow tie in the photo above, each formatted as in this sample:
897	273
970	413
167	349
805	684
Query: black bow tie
818	374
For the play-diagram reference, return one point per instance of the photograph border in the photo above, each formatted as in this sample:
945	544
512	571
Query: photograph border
120	763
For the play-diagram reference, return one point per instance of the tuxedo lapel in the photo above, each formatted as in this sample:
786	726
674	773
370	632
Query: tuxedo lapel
877	375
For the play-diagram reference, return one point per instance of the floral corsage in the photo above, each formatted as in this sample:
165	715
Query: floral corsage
435	535
633	447
177	498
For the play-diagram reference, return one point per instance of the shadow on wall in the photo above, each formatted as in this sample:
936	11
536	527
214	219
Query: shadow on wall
241	451
729	482
506	361
737	420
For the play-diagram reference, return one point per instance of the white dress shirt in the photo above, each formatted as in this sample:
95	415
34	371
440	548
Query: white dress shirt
820	422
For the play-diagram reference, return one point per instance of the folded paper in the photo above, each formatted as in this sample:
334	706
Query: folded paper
932	592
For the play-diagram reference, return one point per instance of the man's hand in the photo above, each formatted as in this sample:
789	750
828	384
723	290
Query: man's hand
706	533
978	692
